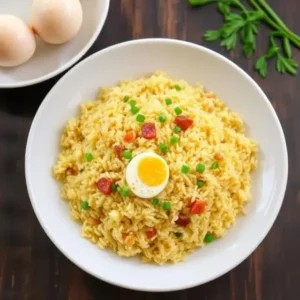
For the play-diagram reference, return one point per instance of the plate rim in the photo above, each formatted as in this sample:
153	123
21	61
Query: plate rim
194	283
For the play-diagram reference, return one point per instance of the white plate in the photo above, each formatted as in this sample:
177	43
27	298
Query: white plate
194	64
50	60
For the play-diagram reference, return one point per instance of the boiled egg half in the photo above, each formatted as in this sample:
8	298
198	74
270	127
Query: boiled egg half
147	174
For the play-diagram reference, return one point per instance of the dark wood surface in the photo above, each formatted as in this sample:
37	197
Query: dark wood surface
30	265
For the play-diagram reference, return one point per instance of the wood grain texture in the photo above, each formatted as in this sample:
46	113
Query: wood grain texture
32	268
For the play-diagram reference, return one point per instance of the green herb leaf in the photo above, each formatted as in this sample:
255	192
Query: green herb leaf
254	27
227	30
279	65
273	50
287	47
286	65
255	15
248	36
234	18
249	49
200	2
229	43
212	35
224	8
234	23
261	66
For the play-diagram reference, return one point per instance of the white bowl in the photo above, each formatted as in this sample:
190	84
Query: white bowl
194	64
50	60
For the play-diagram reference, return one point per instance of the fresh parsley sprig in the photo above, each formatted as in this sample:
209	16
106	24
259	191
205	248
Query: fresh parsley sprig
241	22
284	64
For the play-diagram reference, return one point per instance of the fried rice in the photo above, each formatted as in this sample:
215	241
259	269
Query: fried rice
216	139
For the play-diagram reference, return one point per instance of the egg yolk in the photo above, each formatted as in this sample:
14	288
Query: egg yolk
152	171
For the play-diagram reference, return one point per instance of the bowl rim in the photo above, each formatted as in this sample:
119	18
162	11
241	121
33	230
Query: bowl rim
193	283
70	63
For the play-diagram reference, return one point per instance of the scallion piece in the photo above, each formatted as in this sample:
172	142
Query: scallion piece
168	101
114	187
178	110
174	139
177	87
132	102
166	206
84	205
209	238
124	191
162	118
177	129
178	234
127	154
200	168
200	183
185	169
134	110
140	118
214	165
163	148
155	201
89	156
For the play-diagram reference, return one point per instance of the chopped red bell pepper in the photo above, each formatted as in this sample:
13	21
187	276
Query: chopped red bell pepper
130	136
198	206
151	233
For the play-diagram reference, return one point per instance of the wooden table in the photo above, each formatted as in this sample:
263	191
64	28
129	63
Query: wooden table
30	265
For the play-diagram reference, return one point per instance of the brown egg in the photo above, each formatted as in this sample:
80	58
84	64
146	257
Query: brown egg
56	21
17	41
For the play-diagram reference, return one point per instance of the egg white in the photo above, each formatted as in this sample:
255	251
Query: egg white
136	185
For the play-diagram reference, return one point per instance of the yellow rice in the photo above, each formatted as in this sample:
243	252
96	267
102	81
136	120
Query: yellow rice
120	223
